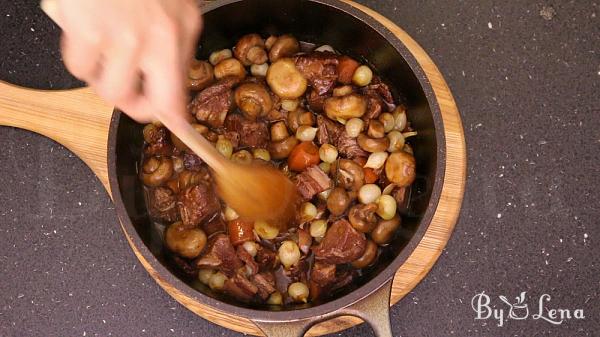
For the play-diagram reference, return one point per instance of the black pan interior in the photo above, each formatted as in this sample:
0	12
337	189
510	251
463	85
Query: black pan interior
318	23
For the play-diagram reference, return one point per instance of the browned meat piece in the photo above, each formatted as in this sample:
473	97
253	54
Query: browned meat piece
247	259
197	203
215	225
298	272
240	288
184	265
266	259
276	115
311	182
320	69
374	107
212	104
192	162
348	147
252	134
316	101
341	244
380	88
159	142
265	282
333	133
328	131
162	203
330	279
323	274
285	277
220	254
402	196
304	240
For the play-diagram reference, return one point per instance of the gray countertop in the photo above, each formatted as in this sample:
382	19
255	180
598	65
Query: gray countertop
526	77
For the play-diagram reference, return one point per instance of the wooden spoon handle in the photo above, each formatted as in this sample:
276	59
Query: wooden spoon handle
77	119
194	140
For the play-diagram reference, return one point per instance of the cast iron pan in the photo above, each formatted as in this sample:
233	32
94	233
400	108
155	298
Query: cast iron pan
319	22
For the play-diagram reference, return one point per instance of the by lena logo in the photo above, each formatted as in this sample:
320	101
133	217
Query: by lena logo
519	309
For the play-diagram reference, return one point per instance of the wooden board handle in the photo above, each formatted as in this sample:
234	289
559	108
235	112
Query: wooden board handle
78	119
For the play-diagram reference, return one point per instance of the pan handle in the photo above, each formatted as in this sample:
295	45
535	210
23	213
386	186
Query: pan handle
77	119
373	309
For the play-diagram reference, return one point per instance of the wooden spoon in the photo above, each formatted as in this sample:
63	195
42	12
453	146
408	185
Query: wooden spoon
255	192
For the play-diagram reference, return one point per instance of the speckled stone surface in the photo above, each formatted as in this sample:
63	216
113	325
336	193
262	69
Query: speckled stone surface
526	77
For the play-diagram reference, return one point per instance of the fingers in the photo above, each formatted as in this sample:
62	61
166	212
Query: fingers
120	77
81	57
164	71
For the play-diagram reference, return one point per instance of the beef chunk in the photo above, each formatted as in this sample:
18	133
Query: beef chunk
266	259
240	288
378	89
325	280
192	162
158	142
311	182
212	104
220	254
374	107
323	273
162	203
214	225
251	134
184	265
332	132
328	131
377	86
402	196
341	244
276	115
349	147
265	282
320	69
197	203
316	101
247	259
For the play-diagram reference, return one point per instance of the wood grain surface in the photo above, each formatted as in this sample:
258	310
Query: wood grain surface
80	121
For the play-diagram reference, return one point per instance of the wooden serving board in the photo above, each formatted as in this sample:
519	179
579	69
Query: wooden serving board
80	121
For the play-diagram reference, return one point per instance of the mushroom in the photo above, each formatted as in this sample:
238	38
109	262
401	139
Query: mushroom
218	56
279	131
368	256
283	148
250	49
400	168
338	201
253	99
283	46
362	217
345	107
286	80
375	129
350	175
188	243
372	144
385	229
300	117
200	75
230	67
343	90
157	171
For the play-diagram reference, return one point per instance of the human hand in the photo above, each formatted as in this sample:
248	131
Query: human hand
133	53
